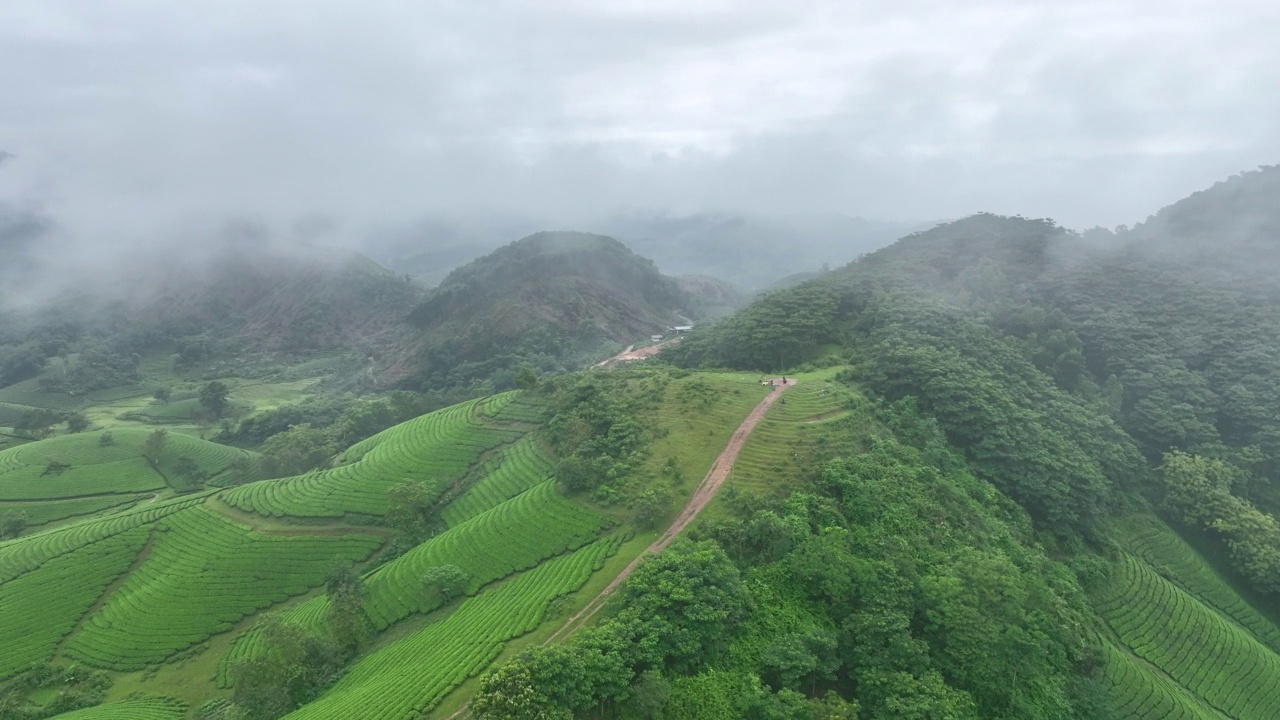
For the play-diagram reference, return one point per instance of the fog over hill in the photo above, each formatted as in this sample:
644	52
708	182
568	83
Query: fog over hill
438	134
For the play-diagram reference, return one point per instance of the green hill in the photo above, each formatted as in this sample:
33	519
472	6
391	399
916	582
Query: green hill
553	300
81	474
1084	375
146	595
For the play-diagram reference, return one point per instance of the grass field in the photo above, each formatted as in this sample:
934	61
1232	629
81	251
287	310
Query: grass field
27	471
1184	643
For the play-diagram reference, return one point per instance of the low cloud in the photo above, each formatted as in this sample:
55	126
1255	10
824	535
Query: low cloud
131	121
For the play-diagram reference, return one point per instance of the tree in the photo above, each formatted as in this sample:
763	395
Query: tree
448	580
107	438
527	378
293	665
240	471
687	600
154	445
650	506
213	398
77	422
12	524
55	466
297	450
649	695
37	423
511	692
407	508
189	469
345	615
162	394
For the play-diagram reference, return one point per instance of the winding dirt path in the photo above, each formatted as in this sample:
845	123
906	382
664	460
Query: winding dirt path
715	477
707	490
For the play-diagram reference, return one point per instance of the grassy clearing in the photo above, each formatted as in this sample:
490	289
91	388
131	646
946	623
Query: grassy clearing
777	447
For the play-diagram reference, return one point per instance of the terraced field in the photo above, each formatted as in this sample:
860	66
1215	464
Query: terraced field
515	406
40	608
145	709
178	572
1207	653
30	552
514	470
39	513
1175	560
97	469
204	573
435	449
772	452
10	413
28	393
1144	693
410	676
513	536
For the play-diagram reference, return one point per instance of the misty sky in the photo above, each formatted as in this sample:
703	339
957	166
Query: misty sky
127	116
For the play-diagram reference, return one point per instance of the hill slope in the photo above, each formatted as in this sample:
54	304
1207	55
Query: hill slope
552	299
1085	376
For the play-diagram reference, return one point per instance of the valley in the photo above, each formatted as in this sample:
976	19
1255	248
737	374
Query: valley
993	470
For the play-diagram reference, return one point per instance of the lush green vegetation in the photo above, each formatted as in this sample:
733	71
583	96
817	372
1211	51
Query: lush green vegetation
1208	655
41	608
1084	376
411	675
1027	473
70	466
551	301
883	578
433	450
147	709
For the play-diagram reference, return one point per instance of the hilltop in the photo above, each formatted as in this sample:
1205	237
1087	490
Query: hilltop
552	300
1119	387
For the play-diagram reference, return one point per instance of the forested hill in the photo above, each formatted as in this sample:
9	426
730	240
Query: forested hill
1050	356
300	298
552	300
225	305
1106	383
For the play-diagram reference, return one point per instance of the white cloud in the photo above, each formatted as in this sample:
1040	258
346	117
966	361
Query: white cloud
130	114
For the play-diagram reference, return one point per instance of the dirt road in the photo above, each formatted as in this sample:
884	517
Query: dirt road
632	354
715	477
710	485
